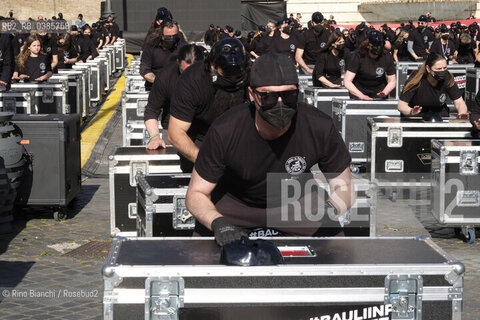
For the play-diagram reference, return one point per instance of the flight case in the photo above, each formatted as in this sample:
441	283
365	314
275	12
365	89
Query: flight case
472	87
17	101
322	97
53	176
135	133
84	87
456	184
48	98
350	118
322	279
161	210
75	91
124	164
399	149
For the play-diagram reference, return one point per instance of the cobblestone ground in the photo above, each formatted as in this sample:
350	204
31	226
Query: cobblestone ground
31	260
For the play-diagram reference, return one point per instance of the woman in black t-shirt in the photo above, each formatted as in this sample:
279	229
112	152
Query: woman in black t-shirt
400	47
261	41
370	71
331	62
426	91
31	62
283	41
67	51
444	45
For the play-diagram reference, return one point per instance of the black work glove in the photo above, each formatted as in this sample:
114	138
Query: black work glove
225	232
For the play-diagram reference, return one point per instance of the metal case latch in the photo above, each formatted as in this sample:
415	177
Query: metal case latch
47	96
404	293
9	104
164	297
141	104
468	163
137	167
356	147
182	218
394	139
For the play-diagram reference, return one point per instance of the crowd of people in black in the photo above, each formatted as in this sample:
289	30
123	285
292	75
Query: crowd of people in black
36	56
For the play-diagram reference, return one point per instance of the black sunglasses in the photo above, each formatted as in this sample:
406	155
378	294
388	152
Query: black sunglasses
270	98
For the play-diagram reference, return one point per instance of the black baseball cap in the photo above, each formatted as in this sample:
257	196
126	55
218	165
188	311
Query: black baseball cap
237	33
212	26
229	29
375	37
317	17
163	13
273	69
442	28
73	28
423	18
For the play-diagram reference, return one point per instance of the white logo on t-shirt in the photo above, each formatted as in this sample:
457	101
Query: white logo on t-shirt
380	71
443	98
49	49
341	63
292	47
425	39
295	165
322	44
43	67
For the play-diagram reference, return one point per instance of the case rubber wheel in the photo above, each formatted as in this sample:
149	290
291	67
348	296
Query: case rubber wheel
470	237
60	214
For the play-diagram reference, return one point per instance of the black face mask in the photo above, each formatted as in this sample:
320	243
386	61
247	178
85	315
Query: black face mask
268	30
340	47
318	28
278	115
229	84
445	36
171	43
377	50
287	30
441	76
420	28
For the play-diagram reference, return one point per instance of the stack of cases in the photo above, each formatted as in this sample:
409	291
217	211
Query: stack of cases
304	82
75	91
84	88
133	109
124	165
399	149
322	278
456	184
322	97
350	118
134	83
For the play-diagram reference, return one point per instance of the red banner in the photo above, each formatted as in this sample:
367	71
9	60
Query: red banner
433	24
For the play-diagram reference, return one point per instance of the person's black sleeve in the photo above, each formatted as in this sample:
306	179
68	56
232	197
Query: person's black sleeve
156	100
390	70
408	96
454	92
92	48
147	60
319	69
8	62
54	46
475	116
210	164
436	47
336	156
185	99
48	63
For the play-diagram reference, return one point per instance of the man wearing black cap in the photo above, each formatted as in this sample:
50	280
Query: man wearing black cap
238	35
209	36
228	32
420	40
203	92
444	45
311	42
162	14
274	133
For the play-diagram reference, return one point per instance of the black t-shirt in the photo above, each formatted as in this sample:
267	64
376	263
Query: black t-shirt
66	53
97	37
420	40
430	98
402	47
209	37
18	42
155	58
115	30
465	53
349	44
161	95
311	43
261	44
330	66
371	74
36	67
285	46
192	99
6	58
49	45
237	158
446	50
86	48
